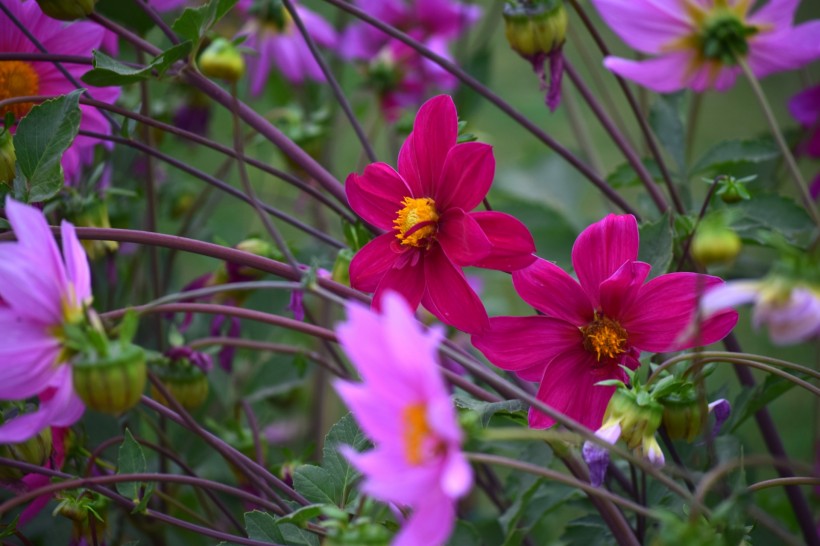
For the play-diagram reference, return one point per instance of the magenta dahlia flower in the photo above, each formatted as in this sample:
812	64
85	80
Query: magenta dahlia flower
404	407
431	233
696	43
593	326
25	78
277	41
43	292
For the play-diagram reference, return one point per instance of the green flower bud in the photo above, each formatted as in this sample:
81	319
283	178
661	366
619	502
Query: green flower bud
95	214
187	383
341	267
535	28
8	157
33	451
684	416
639	415
715	244
221	59
110	383
67	10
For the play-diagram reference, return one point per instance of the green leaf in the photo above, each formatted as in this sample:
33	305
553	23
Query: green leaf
316	484
296	536
762	215
195	22
131	460
738	151
345	432
665	119
656	245
42	137
625	176
304	514
109	71
486	410
587	531
262	526
749	401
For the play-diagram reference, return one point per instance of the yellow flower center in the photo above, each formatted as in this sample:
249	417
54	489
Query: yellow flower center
17	79
604	337
416	222
416	432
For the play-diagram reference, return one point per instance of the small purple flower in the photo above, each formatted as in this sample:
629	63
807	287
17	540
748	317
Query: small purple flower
203	361
596	456
721	409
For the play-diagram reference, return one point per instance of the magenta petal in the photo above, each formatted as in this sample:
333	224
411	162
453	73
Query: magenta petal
467	176
450	297
371	263
407	280
805	106
643	24
665	306
376	195
524	343
431	523
76	262
462	239
777	13
552	291
512	243
423	154
619	291
788	50
602	248
664	74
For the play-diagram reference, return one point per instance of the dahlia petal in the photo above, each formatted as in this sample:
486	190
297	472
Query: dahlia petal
462	239
518	343
449	296
721	409
728	295
663	74
596	456
790	322
663	309
619	291
601	249
28	286
27	426
776	52
77	269
642	24
552	291
805	106
435	132
376	195
512	243
371	263
407	281
466	176
445	18
457	475
380	422
287	58
775	13
33	232
431	523
28	367
259	64
320	30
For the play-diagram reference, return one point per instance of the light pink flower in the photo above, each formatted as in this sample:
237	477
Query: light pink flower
431	233
24	78
694	41
593	326
403	406
42	292
281	44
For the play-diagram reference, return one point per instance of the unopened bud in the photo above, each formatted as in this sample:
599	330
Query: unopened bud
221	59
33	451
95	215
535	28
110	383
715	244
684	416
639	415
67	10
185	382
8	158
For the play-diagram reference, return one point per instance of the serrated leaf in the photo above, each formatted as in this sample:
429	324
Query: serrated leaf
41	139
195	22
345	432
486	410
737	151
109	71
130	460
665	119
304	514
758	217
316	484
296	536
587	531
656	245
625	176
262	526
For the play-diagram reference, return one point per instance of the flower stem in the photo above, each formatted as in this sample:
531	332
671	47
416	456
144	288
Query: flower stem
802	187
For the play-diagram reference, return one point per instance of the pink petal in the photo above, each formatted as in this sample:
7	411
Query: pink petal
449	296
727	295
644	25
467	176
776	13
461	238
805	106
665	307
422	156
512	243
77	270
788	50
431	523
457	475
524	343
376	195
619	291
552	291
370	264
59	409
664	74
407	280
319	29
30	283
601	249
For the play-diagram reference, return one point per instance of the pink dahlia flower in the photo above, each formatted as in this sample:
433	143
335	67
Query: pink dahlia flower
276	40
404	407
696	42
42	292
593	326
25	78
431	233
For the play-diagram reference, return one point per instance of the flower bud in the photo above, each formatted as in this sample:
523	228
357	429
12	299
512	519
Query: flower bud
8	158
639	415
111	383
33	451
535	28
95	215
186	382
715	244
67	10
221	59
684	416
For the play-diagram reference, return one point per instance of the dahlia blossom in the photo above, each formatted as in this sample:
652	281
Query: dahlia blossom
404	407
697	43
274	36
43	292
431	234
593	326
26	78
